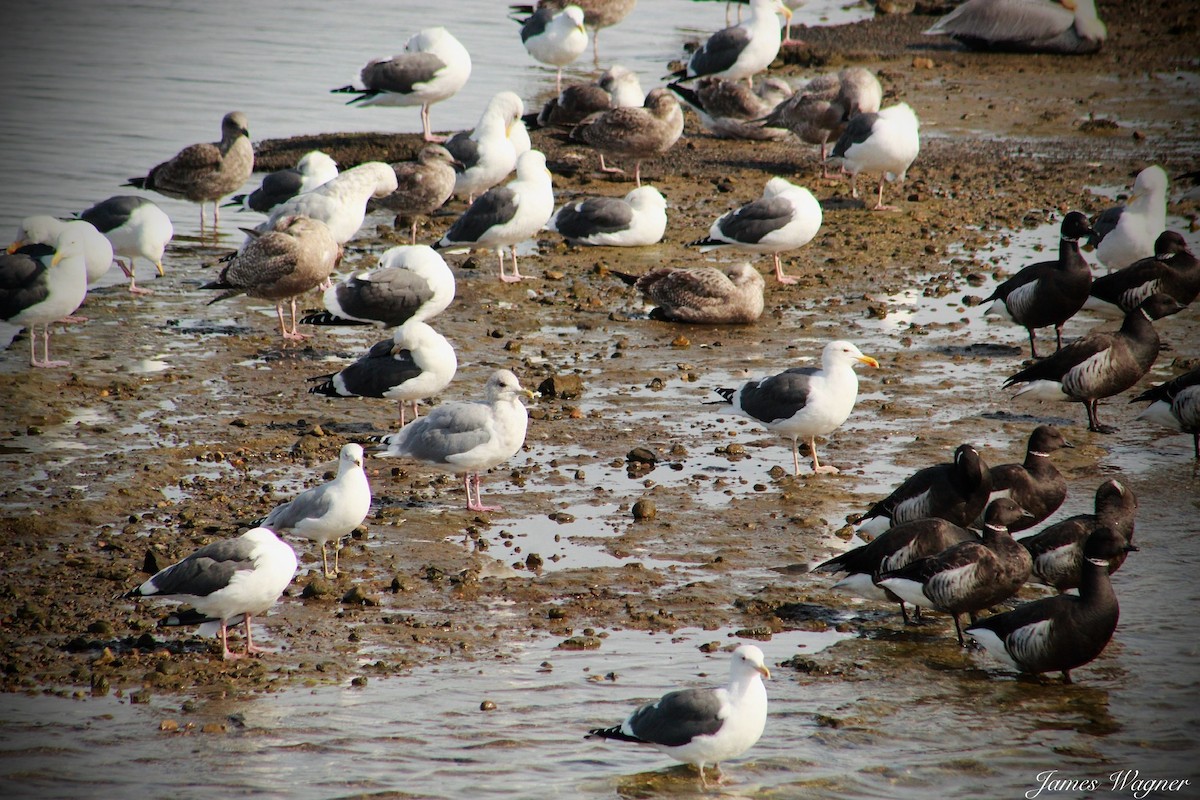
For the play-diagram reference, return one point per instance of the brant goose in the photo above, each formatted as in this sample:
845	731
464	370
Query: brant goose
784	218
1101	364
1172	270
411	282
1058	634
703	726
970	576
416	362
205	172
886	142
804	401
1057	551
1036	485
896	547
956	492
1048	292
226	580
1176	405
1126	233
730	295
1024	26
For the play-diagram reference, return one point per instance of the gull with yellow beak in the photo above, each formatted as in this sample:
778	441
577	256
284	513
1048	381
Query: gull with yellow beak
804	402
703	726
39	286
137	228
487	154
742	50
555	38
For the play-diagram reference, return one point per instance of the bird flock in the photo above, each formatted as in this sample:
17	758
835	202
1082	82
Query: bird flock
943	540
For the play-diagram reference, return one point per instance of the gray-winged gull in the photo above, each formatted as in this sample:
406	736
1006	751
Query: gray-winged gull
804	402
312	170
329	511
486	154
40	285
635	220
729	295
228	579
1175	404
1126	233
206	172
742	50
731	110
297	255
48	230
555	37
504	216
467	438
340	203
703	726
1025	26
433	67
136	228
784	218
415	363
1172	270
1099	364
422	185
886	142
411	282
634	132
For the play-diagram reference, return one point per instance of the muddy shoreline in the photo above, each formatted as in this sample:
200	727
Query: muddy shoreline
168	459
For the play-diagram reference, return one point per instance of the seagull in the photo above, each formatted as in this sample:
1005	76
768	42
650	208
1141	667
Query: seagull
804	401
506	215
956	492
732	295
410	282
740	51
1127	232
1064	632
1175	404
1036	486
206	172
1172	270
1048	292
820	110
635	220
487	154
467	437
703	726
48	230
784	218
555	38
617	87
312	170
40	285
340	203
1100	364
886	142
432	68
970	576
1024	26
729	109
422	186
637	133
228	579
1057	551
416	362
329	511
897	547
597	14
296	255
136	228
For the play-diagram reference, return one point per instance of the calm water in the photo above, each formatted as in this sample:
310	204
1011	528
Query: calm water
106	90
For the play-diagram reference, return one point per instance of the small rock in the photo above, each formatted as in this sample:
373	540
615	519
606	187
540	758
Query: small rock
642	455
487	705
921	62
564	387
580	643
644	509
168	726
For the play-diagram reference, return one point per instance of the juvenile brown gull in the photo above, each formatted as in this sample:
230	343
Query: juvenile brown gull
819	111
637	133
467	437
432	68
422	186
730	109
804	402
206	172
616	87
410	282
706	295
228	579
136	228
296	255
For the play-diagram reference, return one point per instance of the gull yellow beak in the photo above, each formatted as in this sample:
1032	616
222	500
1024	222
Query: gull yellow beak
529	394
766	673
158	266
58	256
15	246
1069	5
869	361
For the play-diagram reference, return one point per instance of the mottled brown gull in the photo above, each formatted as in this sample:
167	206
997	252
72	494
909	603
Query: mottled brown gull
730	109
422	185
637	133
732	294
